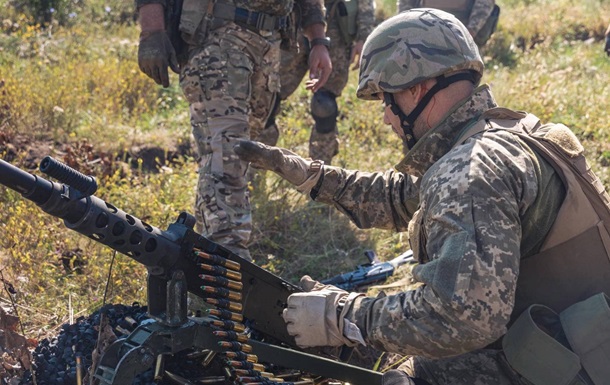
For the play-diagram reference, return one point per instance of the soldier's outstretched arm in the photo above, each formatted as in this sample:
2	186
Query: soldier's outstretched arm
385	200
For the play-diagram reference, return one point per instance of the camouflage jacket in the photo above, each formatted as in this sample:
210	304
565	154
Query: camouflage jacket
480	12
476	200
312	11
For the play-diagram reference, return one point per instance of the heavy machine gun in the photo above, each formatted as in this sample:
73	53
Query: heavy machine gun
245	297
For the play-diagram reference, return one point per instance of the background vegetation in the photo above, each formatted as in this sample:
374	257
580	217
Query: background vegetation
70	87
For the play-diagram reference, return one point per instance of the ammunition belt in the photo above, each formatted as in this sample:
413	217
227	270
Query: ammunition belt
258	21
223	288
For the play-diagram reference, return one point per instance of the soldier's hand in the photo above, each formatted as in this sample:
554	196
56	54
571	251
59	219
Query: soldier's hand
316	317
320	67
155	54
607	48
301	172
355	53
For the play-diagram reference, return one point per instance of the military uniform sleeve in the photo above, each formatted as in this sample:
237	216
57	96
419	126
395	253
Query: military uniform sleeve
365	19
312	12
472	201
371	200
481	10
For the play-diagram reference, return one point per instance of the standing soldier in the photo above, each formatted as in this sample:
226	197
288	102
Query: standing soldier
349	22
229	77
479	16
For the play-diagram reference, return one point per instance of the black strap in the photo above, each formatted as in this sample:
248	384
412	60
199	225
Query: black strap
258	21
442	82
407	121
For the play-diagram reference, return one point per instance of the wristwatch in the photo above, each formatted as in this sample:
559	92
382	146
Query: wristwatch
325	41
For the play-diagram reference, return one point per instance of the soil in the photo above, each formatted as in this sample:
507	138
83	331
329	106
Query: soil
27	153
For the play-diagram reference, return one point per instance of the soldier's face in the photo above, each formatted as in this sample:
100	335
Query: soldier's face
406	102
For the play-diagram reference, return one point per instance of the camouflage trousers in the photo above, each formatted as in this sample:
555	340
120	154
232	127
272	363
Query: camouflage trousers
230	82
481	367
293	68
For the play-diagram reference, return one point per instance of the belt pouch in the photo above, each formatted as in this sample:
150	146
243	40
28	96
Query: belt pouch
532	350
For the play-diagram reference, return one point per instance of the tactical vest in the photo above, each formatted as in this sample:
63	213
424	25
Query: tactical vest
461	9
561	317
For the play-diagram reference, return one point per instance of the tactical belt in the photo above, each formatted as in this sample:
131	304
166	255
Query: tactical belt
258	21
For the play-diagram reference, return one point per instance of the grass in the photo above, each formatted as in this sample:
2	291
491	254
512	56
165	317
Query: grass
73	82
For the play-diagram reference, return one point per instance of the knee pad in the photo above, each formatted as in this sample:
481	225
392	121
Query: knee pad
324	111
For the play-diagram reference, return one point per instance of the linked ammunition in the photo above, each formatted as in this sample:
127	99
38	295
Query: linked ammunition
224	303
229	325
225	314
236	346
241	356
246	365
221	281
229	335
219	270
218	260
222	292
253	373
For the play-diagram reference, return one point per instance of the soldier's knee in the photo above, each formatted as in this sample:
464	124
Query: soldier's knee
324	111
398	377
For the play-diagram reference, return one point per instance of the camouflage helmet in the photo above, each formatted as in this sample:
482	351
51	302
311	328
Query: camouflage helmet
413	46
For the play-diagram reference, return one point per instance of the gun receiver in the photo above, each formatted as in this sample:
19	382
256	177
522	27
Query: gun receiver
173	259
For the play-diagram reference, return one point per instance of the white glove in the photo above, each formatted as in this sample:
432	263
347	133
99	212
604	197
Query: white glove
316	317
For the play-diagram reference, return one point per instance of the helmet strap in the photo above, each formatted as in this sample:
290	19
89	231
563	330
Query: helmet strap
407	121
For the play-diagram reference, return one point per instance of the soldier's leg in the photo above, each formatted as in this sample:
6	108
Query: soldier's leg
292	70
265	103
324	141
216	83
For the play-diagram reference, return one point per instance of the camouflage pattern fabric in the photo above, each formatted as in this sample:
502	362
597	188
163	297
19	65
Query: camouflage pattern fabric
231	80
481	10
324	146
466	232
230	83
414	46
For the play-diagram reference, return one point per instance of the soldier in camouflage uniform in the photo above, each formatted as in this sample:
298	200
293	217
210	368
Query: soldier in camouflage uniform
472	13
483	200
323	143
230	79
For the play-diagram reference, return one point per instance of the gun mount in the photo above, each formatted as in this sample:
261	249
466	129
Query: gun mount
174	259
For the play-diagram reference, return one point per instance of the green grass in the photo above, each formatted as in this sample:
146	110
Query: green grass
74	82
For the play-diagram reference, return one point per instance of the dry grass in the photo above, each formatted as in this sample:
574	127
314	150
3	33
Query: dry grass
79	80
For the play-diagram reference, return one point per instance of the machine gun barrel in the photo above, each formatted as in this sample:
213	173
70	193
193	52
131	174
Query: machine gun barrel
91	216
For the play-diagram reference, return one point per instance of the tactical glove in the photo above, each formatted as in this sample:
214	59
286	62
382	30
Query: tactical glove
607	48
317	316
301	172
155	54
